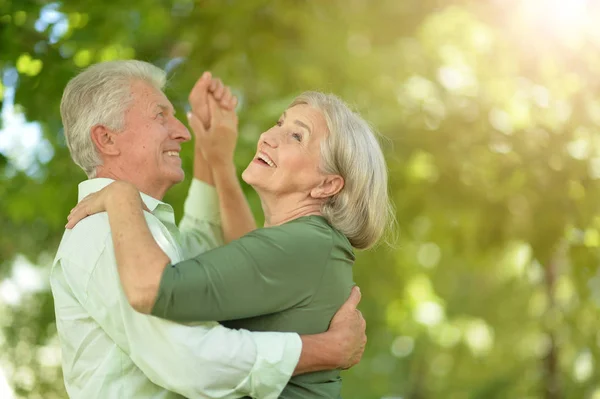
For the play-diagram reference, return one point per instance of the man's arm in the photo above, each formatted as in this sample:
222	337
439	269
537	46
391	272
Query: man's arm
200	226
206	360
210	360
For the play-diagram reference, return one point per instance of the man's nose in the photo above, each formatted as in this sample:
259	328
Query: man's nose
179	131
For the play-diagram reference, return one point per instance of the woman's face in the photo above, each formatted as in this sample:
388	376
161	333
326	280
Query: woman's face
288	154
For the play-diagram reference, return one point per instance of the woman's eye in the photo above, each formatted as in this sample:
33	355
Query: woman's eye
297	136
279	123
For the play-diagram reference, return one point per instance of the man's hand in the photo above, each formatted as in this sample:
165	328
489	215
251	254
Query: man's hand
348	326
340	347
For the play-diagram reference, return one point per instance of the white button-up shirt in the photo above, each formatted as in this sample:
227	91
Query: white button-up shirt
111	351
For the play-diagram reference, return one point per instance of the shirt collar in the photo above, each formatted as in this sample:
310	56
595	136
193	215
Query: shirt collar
90	186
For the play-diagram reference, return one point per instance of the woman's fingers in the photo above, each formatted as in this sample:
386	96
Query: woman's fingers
226	100
98	201
219	89
196	124
77	214
216	112
86	207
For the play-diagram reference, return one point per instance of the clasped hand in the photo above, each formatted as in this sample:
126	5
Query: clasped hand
213	119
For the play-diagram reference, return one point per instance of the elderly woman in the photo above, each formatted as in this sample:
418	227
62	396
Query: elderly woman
322	180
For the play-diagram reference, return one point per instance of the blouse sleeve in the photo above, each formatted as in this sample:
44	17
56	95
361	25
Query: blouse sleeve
264	272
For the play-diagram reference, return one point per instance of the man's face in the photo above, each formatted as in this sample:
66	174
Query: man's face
150	144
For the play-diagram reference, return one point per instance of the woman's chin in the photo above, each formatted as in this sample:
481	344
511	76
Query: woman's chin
246	175
249	176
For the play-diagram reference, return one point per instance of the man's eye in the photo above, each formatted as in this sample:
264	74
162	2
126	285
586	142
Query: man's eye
279	123
297	136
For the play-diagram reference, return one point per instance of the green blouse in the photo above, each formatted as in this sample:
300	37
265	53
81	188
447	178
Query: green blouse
288	278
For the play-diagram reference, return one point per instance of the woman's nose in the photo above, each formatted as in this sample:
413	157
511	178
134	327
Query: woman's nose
269	138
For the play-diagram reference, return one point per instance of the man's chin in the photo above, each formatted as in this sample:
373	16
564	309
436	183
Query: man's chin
178	177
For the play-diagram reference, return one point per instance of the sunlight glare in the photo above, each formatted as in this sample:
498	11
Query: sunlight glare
567	19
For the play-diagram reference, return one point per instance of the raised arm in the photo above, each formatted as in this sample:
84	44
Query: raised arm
198	99
216	140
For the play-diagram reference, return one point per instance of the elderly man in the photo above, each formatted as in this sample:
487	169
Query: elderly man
120	126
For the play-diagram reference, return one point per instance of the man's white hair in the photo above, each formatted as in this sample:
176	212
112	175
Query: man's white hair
100	95
362	209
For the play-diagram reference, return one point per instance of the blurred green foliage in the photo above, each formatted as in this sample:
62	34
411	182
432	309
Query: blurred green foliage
491	113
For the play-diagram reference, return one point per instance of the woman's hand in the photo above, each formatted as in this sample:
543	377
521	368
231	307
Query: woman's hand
100	201
217	143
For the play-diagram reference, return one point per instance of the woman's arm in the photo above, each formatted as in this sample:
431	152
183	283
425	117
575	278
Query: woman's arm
139	258
236	217
266	271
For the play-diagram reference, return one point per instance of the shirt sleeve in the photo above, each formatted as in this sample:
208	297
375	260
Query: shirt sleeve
200	361
200	226
264	272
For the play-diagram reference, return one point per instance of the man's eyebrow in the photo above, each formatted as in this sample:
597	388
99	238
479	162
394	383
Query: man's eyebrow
167	108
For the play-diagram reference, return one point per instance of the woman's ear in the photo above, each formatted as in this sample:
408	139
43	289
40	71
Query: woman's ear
330	186
104	140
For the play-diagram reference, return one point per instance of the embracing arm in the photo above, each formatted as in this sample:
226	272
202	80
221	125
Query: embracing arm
141	263
264	272
139	258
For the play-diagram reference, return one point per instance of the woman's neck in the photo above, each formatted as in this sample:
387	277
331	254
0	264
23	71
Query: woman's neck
280	210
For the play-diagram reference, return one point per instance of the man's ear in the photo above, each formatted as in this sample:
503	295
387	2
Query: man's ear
104	140
330	186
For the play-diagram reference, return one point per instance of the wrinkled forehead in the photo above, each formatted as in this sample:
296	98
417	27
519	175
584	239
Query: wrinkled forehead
144	96
311	116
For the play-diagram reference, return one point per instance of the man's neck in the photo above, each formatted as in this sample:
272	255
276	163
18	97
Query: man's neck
145	187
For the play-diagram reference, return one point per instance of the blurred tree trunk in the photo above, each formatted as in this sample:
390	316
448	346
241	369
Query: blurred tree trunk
552	386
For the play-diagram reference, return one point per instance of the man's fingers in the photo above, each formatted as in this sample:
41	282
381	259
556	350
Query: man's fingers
199	98
354	298
201	85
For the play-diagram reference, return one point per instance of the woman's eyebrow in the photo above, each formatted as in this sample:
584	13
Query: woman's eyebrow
302	124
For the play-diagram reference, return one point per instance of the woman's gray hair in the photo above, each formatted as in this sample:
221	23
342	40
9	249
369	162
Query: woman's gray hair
362	209
100	95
